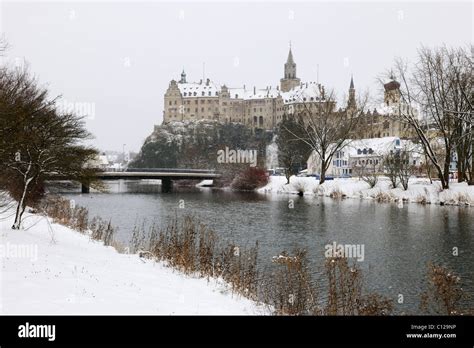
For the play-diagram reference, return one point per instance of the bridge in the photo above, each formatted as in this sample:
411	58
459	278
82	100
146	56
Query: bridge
166	175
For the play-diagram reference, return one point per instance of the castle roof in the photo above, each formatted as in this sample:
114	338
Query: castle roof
199	89
305	92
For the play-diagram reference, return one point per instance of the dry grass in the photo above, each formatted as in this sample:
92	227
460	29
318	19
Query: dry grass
77	218
345	296
192	248
337	194
444	293
289	289
384	197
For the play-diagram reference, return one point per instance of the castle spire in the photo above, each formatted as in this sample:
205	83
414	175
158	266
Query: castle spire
183	77
351	103
289	79
290	57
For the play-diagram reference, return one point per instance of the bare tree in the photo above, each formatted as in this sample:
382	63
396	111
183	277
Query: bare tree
36	140
398	166
391	164
323	128
292	152
432	84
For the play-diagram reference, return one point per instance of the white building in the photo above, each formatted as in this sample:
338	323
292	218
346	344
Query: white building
364	153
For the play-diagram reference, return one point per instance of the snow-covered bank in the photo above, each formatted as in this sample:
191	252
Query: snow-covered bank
419	190
55	270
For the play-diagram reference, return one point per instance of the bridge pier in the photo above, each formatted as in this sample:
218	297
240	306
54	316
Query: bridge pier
166	185
85	188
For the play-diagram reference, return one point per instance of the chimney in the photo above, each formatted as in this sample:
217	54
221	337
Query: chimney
207	82
244	88
200	82
254	90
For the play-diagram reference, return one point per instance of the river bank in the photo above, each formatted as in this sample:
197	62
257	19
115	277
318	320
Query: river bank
47	268
419	190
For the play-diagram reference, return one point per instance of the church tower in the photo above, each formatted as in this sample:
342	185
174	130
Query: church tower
351	102
289	80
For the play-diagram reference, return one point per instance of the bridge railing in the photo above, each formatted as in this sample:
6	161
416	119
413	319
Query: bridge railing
170	170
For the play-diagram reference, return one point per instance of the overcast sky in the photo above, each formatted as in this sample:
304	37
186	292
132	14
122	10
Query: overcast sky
118	58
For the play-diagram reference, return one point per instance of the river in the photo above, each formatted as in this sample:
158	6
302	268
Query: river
398	242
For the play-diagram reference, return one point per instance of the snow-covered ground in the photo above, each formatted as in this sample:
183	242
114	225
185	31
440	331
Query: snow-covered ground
60	271
419	190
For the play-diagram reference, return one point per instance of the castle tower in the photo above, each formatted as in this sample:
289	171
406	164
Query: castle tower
183	77
289	80
351	102
392	92
172	110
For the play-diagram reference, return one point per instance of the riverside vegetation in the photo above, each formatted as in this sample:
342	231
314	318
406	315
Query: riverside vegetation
287	288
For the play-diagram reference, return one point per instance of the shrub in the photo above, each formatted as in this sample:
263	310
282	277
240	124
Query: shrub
250	179
290	290
345	292
444	292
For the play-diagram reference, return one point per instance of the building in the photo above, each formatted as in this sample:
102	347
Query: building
256	108
382	120
365	155
265	108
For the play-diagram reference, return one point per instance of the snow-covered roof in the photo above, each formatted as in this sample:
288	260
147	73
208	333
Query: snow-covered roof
377	146
248	94
305	92
196	89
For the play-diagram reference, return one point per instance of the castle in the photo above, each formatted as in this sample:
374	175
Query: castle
265	108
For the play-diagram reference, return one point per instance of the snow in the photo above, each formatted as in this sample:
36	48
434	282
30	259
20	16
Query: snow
305	92
65	272
419	190
308	91
194	89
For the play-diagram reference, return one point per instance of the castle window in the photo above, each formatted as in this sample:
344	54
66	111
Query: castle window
185	94
170	102
195	93
202	93
210	93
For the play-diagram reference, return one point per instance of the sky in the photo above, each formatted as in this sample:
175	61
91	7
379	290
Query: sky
113	61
